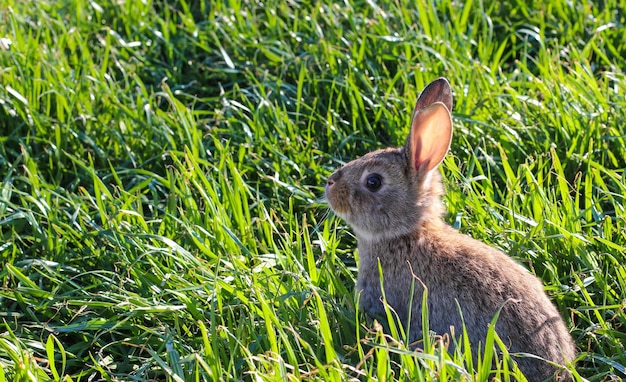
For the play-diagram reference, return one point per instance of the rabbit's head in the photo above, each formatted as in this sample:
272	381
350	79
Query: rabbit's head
390	192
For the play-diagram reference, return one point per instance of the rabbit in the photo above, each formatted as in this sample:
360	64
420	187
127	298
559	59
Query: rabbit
391	198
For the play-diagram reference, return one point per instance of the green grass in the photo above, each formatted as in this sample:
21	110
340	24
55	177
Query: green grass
162	166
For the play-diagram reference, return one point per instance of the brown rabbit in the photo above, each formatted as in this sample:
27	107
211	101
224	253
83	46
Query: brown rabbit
391	199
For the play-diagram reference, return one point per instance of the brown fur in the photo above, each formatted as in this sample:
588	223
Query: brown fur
400	225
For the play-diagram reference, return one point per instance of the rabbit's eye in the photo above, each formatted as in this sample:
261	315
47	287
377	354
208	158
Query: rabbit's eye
373	182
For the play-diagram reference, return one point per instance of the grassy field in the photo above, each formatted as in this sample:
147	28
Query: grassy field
162	168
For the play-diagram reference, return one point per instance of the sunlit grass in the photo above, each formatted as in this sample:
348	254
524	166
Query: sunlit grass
162	164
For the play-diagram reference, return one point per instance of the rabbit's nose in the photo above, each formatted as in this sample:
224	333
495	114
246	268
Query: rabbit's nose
333	178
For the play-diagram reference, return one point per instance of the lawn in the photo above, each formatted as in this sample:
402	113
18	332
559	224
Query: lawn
162	166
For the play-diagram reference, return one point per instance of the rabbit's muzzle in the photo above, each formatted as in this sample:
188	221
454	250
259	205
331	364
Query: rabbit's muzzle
337	193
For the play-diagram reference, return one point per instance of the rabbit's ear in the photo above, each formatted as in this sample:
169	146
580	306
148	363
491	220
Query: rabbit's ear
437	91
430	137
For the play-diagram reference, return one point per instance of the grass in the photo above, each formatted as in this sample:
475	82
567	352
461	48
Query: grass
162	166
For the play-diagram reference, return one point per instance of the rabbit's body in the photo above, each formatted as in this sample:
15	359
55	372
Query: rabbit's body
391	198
456	268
